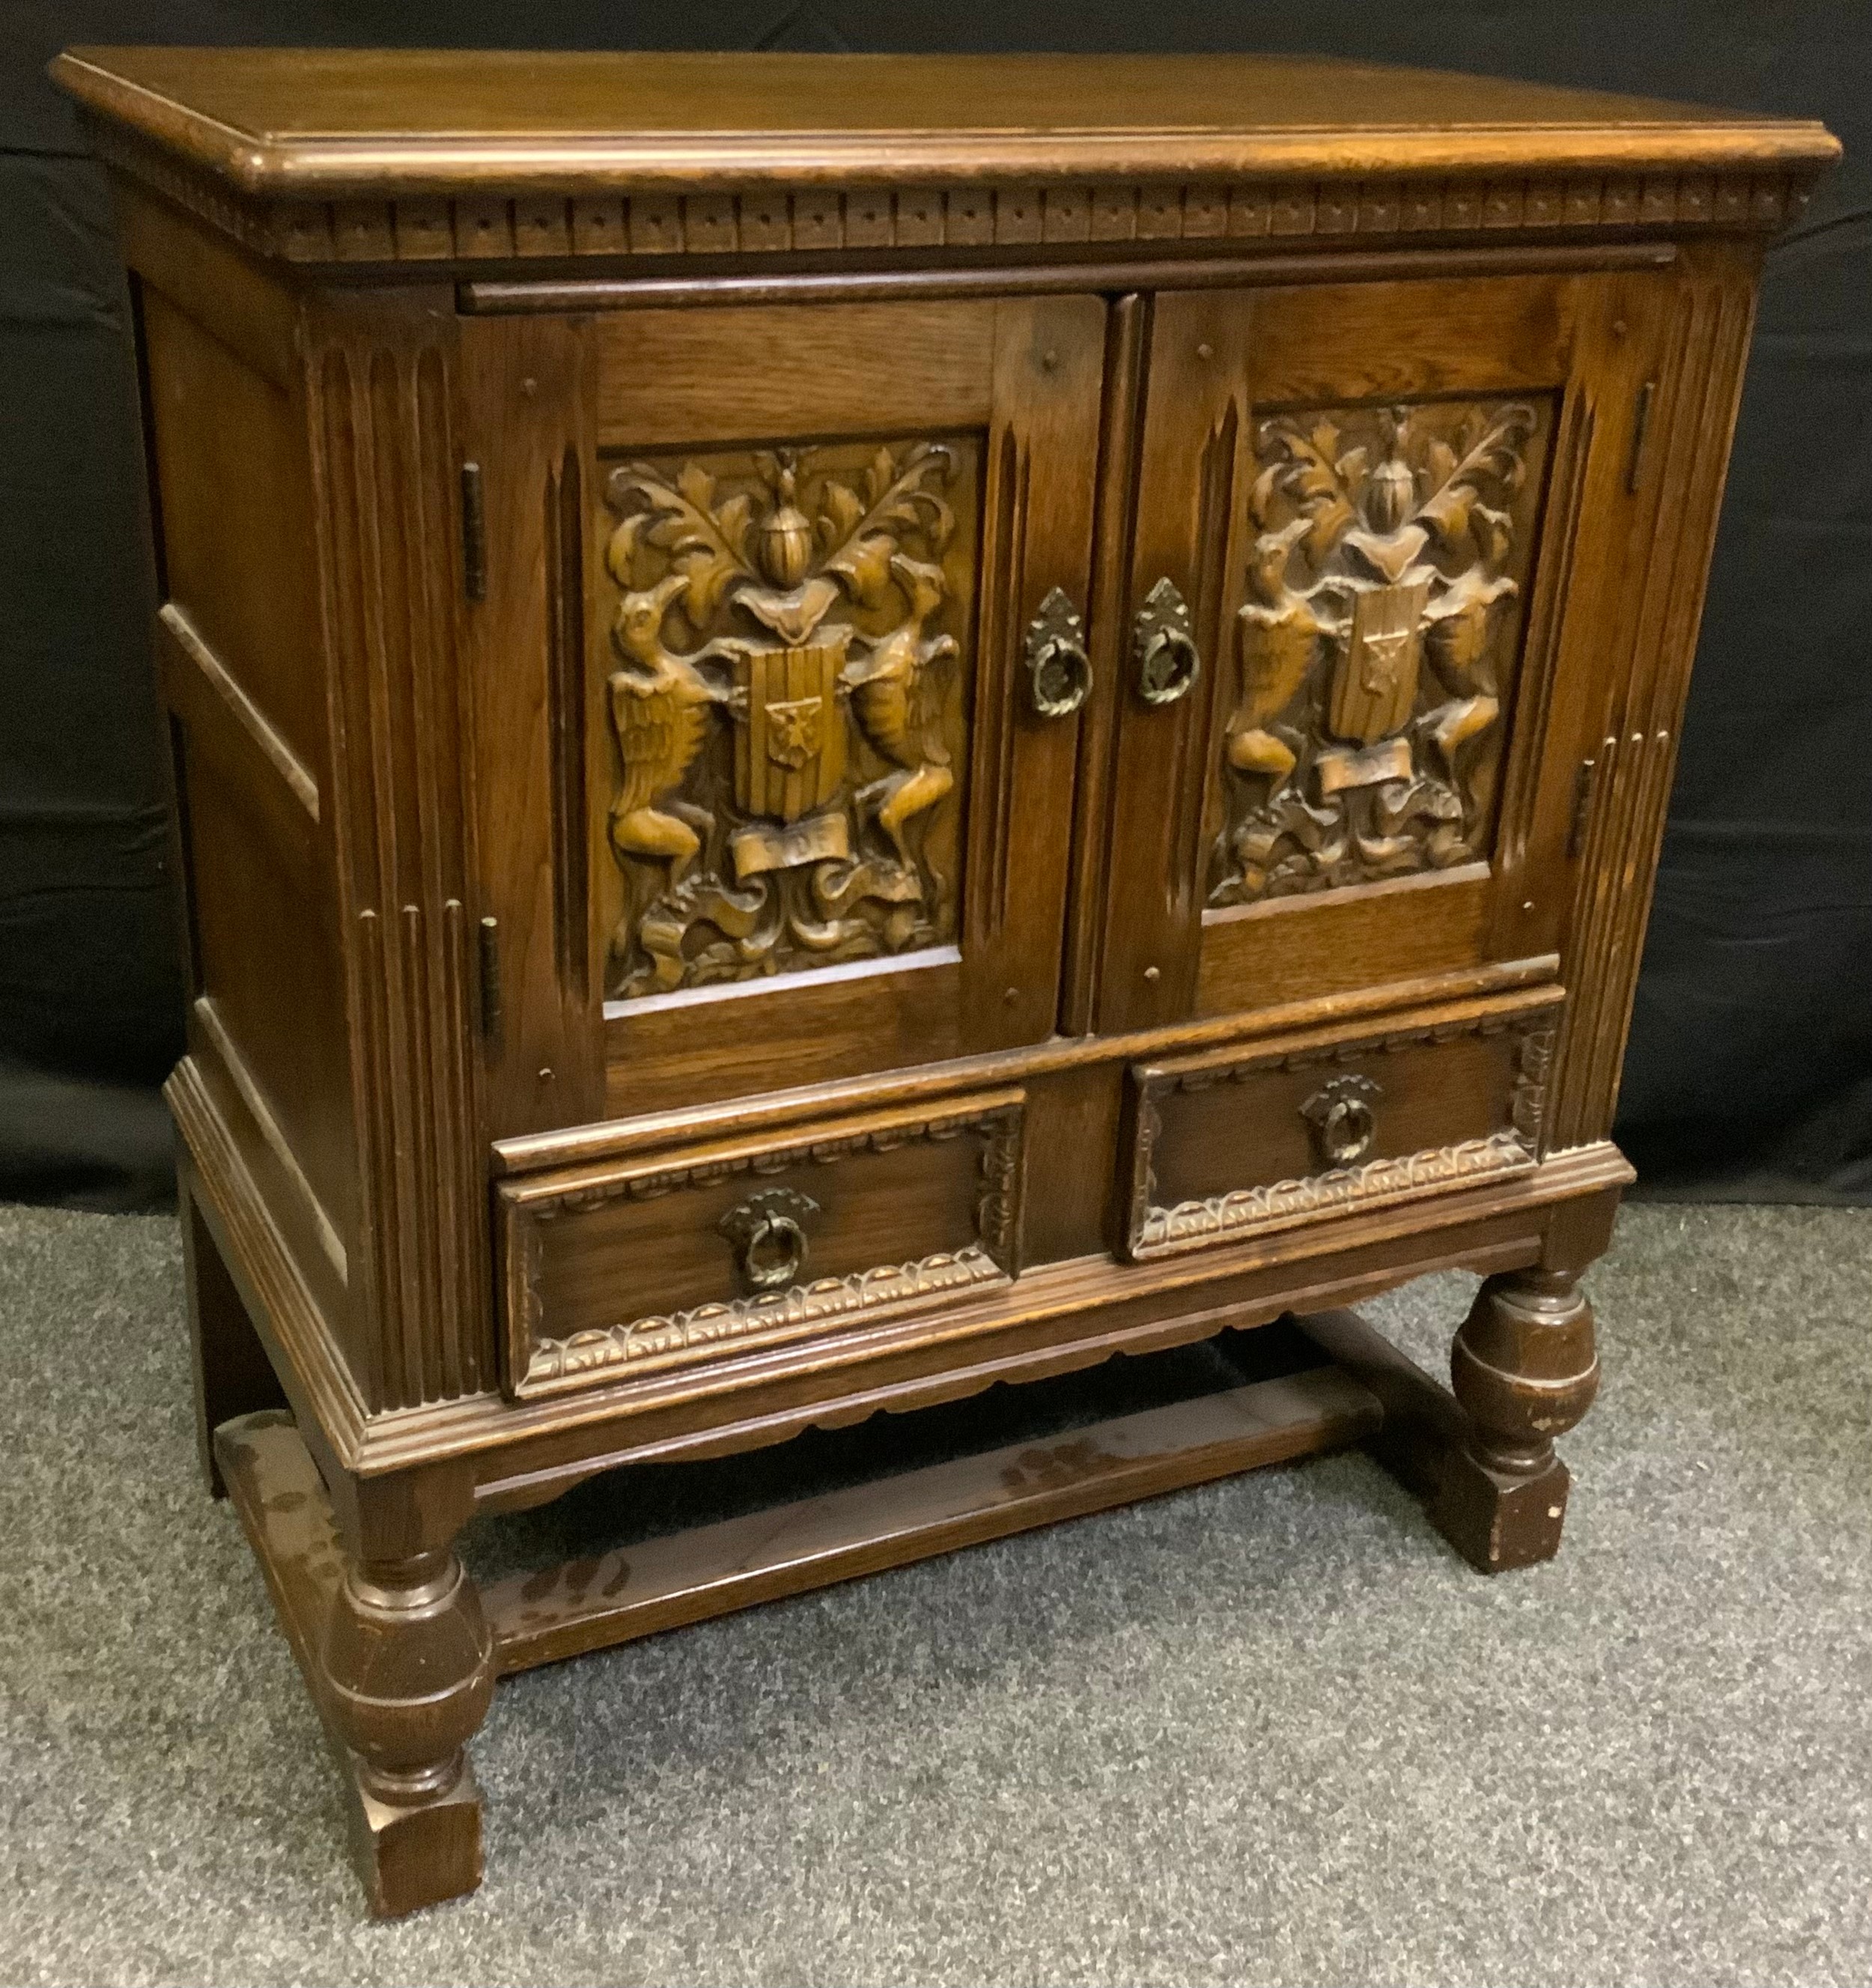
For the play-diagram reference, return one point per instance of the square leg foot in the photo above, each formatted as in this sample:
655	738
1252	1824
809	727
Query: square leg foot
409	1858
1498	1522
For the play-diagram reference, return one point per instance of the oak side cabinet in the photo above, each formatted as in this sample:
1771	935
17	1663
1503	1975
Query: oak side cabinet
848	728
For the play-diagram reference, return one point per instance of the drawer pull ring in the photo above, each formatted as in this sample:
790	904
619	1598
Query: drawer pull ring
769	1238
1340	1114
1168	661
1061	670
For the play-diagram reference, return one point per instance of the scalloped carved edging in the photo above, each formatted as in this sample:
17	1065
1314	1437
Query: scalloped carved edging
542	1364
560	1364
1249	1211
1153	1230
818	220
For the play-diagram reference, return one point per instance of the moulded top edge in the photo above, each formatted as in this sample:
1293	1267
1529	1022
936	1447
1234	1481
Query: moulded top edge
329	123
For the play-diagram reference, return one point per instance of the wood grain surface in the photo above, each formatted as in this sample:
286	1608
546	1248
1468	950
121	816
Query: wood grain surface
844	730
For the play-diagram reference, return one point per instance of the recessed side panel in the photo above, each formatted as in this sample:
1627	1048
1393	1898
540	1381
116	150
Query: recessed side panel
244	681
231	488
266	1023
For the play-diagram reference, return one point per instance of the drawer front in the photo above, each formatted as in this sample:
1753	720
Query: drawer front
1232	1143
692	1258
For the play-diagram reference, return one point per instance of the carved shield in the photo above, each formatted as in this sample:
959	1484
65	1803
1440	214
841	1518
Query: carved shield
790	741
1375	688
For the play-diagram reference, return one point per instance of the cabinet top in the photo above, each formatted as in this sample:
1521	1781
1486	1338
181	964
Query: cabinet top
343	120
239	133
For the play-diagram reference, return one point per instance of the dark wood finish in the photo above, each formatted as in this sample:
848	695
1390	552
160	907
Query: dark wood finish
232	1374
337	155
1422	1425
1318	856
540	295
587	1604
729	1247
397	1659
891	725
1524	1370
1229	1144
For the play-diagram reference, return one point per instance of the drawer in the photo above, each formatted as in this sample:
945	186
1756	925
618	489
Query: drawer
689	1258
1235	1143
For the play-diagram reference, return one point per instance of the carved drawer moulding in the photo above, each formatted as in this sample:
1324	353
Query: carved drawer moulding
984	1136
1505	1140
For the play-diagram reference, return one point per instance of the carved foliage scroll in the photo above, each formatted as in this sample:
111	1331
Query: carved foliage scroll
1386	580
787	704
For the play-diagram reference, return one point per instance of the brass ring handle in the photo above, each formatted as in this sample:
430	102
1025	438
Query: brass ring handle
1342	1118
769	1238
1168	665
1168	661
775	1254
1347	1130
1060	670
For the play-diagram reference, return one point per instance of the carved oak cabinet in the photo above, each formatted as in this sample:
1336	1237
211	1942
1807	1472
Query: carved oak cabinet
847	729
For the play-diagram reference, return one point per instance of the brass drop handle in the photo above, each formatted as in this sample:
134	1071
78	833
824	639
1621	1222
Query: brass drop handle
1343	1124
1058	669
1168	659
775	1253
769	1237
1347	1130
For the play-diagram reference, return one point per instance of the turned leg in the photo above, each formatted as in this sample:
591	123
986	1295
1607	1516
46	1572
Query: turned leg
1524	1370
407	1670
232	1374
389	1633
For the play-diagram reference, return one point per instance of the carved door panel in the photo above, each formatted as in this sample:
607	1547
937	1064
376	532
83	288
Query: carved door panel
1345	755
778	750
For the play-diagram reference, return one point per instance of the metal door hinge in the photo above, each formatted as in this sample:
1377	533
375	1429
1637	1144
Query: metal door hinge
488	939
1582	804
473	534
1640	427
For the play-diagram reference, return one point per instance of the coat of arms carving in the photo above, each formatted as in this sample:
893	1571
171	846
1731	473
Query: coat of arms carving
788	710
1378	644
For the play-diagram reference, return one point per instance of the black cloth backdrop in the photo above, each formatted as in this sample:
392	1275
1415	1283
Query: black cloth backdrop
1750	1072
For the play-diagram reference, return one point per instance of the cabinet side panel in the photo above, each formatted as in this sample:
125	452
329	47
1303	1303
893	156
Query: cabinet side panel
1678	459
243	684
267	1021
231	472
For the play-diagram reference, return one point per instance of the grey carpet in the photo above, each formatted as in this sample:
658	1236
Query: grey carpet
1267	1731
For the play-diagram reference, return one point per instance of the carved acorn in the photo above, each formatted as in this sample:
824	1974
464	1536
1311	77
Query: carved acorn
785	535
1390	495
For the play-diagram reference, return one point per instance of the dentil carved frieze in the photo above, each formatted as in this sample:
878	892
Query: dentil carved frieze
787	707
1378	644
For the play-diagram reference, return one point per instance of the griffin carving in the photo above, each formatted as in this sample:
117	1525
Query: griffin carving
1366	740
782	712
898	701
660	706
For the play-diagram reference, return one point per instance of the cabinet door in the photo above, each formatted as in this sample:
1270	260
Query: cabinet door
772	792
1369	630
